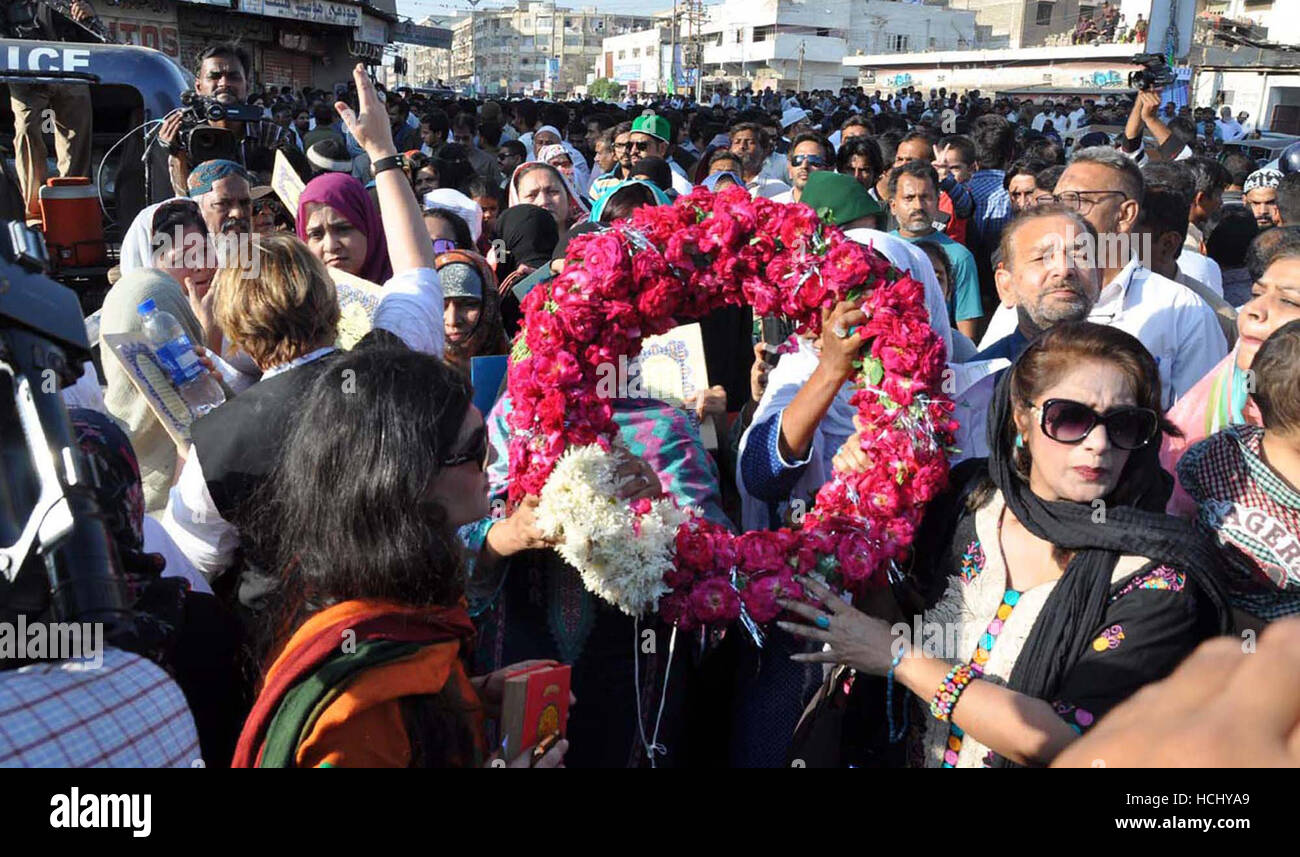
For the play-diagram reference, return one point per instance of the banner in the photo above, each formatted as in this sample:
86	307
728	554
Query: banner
410	33
373	31
148	23
340	14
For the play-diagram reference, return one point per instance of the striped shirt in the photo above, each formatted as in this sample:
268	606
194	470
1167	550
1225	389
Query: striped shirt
992	205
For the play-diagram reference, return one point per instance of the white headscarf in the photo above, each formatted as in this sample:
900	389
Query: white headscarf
137	244
450	199
581	173
575	202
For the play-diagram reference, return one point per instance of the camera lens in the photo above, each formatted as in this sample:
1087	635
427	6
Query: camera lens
216	112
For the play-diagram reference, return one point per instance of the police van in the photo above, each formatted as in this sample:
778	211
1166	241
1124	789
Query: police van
131	88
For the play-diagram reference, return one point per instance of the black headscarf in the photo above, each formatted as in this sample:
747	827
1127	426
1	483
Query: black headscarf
581	229
657	170
1067	624
530	236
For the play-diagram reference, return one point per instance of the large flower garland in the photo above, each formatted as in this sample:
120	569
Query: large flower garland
683	261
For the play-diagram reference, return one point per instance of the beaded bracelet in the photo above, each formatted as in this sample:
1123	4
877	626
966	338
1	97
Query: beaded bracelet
894	735
945	699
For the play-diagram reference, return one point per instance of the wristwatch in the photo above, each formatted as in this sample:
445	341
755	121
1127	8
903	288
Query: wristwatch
392	162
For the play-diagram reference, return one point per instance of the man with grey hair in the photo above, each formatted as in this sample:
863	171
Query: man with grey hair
1177	327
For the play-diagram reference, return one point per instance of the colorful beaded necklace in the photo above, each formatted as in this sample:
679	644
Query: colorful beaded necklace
983	649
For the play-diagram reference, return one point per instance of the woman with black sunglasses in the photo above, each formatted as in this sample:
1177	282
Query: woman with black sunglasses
1048	584
378	567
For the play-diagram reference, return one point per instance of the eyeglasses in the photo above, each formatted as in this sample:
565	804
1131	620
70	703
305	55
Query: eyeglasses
477	450
620	147
1083	201
1066	421
811	160
640	145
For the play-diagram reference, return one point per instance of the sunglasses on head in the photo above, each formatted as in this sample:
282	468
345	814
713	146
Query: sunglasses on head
1128	428
476	450
810	160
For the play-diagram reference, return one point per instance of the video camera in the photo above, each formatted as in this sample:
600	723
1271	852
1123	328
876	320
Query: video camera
1154	74
48	514
202	140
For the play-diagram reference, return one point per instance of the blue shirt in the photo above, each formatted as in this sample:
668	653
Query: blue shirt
965	301
1010	346
992	205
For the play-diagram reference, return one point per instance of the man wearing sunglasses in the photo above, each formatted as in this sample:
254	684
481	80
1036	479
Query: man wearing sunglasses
650	139
809	153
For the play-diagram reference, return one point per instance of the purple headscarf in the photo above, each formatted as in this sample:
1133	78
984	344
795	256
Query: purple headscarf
348	197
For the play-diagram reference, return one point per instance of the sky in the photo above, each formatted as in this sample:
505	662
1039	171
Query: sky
419	9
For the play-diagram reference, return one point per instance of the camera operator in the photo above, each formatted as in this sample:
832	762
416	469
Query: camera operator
69	102
222	75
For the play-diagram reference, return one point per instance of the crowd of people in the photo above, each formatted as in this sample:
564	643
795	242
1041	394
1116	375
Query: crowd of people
1121	317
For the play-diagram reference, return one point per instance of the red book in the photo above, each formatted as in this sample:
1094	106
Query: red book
535	704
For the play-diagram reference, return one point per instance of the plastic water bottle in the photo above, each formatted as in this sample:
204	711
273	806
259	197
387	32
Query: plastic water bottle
176	353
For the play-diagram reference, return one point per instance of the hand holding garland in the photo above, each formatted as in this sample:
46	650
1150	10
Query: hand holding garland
835	367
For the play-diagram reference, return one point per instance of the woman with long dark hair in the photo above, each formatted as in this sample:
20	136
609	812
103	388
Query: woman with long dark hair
1053	585
378	567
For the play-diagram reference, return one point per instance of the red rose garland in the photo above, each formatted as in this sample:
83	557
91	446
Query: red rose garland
683	261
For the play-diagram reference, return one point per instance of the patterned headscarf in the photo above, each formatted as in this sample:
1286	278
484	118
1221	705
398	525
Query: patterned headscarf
1264	178
208	173
488	336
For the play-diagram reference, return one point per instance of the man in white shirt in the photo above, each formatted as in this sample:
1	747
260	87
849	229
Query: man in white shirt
1230	128
810	153
749	142
1046	113
1179	329
650	137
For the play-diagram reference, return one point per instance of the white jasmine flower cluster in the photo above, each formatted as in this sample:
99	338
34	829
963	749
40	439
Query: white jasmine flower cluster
621	556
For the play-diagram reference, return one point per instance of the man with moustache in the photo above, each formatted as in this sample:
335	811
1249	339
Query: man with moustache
222	74
1259	193
223	191
1046	275
1177	327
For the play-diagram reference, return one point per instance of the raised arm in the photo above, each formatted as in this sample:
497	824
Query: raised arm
408	242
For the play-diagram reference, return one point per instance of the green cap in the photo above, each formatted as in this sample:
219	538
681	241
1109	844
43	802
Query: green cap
838	198
654	125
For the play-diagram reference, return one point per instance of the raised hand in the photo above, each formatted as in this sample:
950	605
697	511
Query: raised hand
370	125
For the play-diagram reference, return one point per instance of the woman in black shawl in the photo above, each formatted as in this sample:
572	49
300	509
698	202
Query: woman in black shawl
1053	585
528	236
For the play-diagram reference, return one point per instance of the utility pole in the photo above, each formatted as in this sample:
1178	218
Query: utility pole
672	54
473	45
799	87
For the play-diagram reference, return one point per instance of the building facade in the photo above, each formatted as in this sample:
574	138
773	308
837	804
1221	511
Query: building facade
533	47
295	43
801	44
